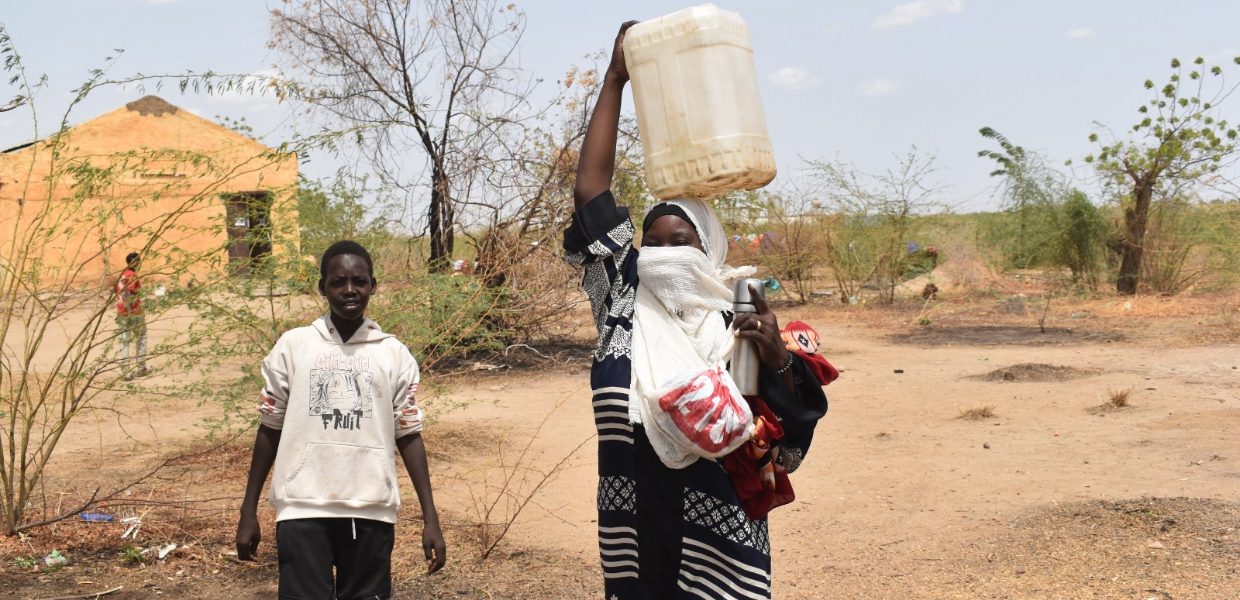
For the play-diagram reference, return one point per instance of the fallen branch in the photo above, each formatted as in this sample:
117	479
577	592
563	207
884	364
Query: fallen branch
168	462
84	596
251	564
182	504
60	517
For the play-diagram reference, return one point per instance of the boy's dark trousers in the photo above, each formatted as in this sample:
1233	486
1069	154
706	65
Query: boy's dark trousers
360	550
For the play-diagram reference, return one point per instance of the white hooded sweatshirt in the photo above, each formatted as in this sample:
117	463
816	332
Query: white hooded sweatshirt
340	407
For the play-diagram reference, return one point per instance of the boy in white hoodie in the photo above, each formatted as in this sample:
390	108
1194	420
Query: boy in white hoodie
338	400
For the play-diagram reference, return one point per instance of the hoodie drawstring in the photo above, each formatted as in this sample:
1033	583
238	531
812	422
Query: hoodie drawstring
354	522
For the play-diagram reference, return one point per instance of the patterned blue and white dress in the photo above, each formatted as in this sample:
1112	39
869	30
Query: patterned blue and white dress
667	533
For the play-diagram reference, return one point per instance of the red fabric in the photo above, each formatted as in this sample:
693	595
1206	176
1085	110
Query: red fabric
820	367
706	412
760	484
127	300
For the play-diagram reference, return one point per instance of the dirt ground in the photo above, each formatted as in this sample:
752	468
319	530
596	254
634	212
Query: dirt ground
1054	496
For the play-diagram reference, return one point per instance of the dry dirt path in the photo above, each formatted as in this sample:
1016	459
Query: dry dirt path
897	489
898	498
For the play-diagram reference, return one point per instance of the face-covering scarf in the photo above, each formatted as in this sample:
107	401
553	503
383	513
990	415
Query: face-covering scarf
680	392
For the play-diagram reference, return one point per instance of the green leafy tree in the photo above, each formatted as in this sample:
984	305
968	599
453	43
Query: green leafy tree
70	209
1031	193
329	213
1180	141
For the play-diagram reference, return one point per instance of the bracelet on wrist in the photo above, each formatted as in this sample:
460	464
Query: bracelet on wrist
787	365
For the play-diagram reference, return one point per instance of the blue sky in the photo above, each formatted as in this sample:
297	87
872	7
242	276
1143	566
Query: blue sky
858	81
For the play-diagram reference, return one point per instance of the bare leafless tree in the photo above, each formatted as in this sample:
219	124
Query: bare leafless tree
872	217
514	208
437	77
794	236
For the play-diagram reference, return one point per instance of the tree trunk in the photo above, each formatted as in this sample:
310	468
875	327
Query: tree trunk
441	217
1133	243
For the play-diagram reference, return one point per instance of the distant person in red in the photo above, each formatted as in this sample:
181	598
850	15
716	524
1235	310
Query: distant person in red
130	321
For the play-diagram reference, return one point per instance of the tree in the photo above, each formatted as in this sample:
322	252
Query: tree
328	214
872	218
1180	141
70	209
796	242
516	213
435	76
515	202
1031	193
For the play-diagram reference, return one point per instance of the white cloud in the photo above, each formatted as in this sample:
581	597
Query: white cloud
1082	33
911	12
794	78
878	87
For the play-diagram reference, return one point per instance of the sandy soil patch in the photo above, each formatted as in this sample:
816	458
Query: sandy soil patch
898	498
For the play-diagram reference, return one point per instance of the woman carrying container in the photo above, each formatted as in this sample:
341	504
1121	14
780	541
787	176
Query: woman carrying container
671	426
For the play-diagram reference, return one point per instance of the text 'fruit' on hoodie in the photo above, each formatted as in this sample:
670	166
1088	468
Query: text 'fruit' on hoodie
340	407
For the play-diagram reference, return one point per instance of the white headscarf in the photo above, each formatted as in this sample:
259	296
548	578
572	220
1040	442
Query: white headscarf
678	331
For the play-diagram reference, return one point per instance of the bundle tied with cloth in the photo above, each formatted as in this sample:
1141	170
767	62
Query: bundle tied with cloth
681	392
759	478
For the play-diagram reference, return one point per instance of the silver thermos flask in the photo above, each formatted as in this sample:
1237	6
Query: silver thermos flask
744	366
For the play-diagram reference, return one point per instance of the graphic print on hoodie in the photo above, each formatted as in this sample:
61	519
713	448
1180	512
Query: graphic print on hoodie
340	390
340	406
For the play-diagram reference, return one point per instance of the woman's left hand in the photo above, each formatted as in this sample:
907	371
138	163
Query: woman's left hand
762	328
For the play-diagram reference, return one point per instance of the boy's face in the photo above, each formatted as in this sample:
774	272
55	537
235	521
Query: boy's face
348	286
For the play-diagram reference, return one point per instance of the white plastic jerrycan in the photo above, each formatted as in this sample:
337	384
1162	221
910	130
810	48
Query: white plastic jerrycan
698	112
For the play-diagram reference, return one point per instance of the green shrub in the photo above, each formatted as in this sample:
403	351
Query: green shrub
1189	244
1024	237
439	315
1081	243
920	260
1222	234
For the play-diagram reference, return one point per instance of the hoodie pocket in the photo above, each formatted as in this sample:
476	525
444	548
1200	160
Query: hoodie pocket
342	472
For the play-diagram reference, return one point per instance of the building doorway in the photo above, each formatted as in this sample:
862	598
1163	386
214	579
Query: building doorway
248	224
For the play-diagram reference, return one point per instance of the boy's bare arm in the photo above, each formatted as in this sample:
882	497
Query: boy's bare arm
413	452
597	163
266	442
